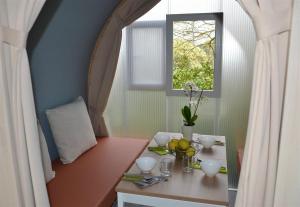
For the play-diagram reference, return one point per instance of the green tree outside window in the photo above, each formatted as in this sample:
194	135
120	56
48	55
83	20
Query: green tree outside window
193	53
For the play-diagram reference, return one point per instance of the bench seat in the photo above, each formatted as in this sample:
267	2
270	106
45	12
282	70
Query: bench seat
90	180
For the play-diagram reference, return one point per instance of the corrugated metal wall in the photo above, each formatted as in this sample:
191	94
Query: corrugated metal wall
238	57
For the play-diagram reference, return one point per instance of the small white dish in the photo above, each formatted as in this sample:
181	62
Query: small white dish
210	167
145	164
161	139
207	141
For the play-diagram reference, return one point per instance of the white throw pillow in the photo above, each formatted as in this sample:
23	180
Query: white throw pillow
72	130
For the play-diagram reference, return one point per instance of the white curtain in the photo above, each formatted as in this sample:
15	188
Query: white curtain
271	19
21	173
288	178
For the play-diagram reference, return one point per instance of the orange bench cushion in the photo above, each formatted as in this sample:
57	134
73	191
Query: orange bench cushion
91	179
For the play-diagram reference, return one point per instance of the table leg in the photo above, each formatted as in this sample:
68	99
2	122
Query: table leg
158	202
120	200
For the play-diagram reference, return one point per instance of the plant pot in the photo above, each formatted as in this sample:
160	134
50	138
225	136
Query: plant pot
187	132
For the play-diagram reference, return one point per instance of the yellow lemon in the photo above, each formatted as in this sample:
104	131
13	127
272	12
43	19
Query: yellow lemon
175	140
183	144
172	145
190	152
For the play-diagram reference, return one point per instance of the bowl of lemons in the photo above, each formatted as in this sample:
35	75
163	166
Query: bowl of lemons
181	147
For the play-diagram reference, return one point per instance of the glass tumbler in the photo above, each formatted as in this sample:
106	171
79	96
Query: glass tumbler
187	164
165	167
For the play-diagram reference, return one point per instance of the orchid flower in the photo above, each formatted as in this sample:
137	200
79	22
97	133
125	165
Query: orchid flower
191	91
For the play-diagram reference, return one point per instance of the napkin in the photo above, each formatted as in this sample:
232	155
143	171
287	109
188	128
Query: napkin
159	150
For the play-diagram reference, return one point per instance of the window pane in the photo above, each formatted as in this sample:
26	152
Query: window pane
147	56
193	53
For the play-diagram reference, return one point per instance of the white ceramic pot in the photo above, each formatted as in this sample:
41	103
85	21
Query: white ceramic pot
187	132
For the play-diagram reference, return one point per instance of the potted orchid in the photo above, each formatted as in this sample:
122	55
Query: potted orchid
189	112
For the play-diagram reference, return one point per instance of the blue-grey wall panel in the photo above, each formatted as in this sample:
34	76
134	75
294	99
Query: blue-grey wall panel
59	47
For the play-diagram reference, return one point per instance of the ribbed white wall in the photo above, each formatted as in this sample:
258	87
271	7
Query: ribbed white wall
141	113
238	57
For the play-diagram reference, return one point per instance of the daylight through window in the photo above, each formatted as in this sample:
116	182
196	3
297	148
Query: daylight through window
194	52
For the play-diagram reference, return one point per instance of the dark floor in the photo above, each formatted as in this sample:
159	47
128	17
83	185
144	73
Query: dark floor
232	195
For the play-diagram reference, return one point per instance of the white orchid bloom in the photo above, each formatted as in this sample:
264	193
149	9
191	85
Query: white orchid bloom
188	86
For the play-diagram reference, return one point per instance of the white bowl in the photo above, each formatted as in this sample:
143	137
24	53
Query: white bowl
145	164
210	167
162	139
207	141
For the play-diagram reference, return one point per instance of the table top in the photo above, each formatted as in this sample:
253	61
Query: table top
195	186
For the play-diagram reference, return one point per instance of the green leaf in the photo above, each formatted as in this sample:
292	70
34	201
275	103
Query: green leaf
183	114
194	118
187	113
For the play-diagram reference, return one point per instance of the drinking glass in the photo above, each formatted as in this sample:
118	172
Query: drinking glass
187	164
165	167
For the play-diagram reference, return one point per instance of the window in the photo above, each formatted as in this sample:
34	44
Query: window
194	52
146	55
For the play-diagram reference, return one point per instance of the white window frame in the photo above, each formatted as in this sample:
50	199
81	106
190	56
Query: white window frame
218	17
129	41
